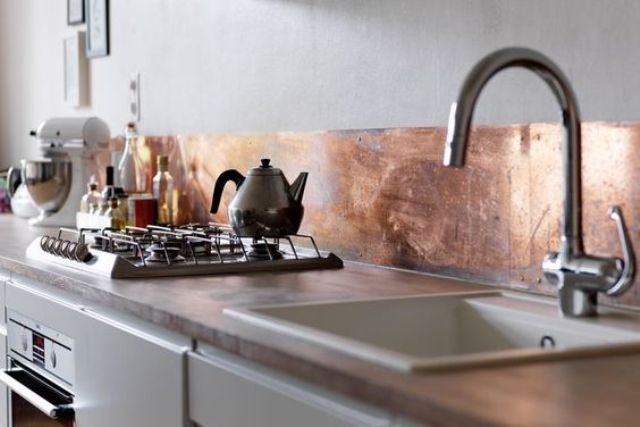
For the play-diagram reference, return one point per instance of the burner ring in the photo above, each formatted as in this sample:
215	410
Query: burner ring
265	251
164	252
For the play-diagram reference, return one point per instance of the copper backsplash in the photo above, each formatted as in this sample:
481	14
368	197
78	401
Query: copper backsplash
383	197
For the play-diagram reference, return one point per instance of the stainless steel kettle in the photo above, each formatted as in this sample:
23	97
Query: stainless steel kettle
265	205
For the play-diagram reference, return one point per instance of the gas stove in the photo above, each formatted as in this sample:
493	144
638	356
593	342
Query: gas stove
189	250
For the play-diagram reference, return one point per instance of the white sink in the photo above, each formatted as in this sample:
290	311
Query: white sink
447	331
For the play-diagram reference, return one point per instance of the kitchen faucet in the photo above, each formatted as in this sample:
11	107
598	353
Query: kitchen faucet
578	276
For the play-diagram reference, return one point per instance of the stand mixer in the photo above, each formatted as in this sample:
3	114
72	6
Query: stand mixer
57	183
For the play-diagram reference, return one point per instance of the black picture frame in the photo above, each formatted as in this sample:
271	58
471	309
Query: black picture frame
97	17
75	12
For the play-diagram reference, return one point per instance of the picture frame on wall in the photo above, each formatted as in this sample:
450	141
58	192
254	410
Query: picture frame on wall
75	70
97	16
75	12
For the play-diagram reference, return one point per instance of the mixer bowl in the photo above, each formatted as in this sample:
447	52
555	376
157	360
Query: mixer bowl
48	182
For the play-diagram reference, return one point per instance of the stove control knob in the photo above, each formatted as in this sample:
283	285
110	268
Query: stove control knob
24	342
54	360
82	253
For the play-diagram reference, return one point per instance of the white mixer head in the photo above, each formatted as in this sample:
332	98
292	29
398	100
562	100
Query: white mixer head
72	134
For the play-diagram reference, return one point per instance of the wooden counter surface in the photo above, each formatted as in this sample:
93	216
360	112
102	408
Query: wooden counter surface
598	391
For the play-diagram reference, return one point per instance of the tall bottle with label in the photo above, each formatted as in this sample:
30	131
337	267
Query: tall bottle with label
127	168
163	191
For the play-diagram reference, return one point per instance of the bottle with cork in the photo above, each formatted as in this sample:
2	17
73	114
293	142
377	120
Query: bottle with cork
163	191
128	166
91	198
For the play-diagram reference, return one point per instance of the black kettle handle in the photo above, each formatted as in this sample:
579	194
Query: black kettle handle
226	176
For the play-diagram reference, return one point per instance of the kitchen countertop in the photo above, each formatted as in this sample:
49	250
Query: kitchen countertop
588	392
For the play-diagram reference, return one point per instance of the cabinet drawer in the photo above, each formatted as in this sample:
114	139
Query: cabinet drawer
227	391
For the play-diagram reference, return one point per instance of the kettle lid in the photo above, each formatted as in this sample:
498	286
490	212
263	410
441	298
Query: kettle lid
265	169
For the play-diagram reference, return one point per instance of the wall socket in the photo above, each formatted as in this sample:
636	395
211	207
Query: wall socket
134	97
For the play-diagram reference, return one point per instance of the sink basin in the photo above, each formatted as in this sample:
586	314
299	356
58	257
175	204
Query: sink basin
432	332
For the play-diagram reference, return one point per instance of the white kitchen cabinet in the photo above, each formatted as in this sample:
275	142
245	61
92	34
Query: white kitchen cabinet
3	354
227	391
132	373
3	284
126	374
3	389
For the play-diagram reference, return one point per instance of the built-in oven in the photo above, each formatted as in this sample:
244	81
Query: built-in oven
39	374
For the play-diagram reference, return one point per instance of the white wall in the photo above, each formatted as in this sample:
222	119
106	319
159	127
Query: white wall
259	65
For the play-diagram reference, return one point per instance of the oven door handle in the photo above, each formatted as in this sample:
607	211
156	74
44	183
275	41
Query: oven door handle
49	409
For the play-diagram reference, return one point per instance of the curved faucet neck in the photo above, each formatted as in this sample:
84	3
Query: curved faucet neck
461	115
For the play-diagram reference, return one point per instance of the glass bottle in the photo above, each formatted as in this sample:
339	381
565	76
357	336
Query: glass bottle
104	207
127	168
94	209
91	197
163	191
187	198
110	189
118	221
123	205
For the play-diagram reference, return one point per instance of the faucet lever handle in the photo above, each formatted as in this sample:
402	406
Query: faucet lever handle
629	260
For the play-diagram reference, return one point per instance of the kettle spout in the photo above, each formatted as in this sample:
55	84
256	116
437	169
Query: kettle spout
297	188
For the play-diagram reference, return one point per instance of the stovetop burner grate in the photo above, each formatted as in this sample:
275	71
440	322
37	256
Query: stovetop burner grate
179	250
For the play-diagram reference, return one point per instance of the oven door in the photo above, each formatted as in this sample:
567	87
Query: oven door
34	401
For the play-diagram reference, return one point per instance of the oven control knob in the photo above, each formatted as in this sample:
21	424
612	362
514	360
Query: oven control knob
54	360
24	342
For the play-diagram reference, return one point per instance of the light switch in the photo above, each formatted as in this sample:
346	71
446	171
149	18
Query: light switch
134	97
